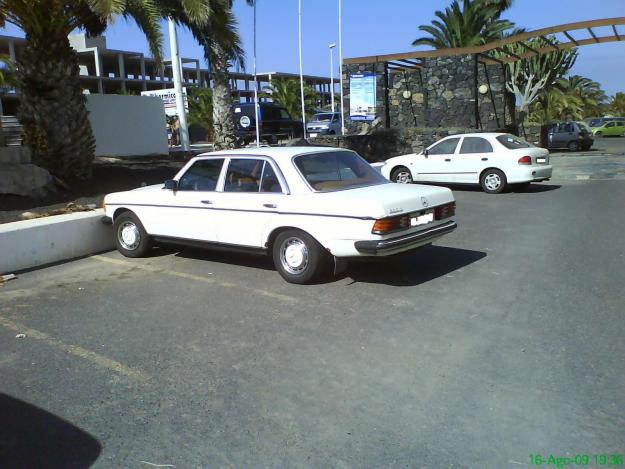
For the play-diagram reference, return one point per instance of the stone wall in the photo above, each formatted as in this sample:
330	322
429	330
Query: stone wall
440	94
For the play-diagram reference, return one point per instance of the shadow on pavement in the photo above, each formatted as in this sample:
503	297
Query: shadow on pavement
31	437
409	270
225	257
536	188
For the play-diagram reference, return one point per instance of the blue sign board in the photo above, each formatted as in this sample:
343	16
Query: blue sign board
362	96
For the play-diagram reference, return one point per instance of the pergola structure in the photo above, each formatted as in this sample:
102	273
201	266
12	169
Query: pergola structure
570	31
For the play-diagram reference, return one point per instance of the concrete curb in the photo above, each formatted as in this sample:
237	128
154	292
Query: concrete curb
32	243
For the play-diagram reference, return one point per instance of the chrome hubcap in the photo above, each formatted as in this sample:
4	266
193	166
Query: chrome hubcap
294	255
129	236
403	177
492	182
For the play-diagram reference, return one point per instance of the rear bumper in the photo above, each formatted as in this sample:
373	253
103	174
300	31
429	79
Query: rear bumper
404	243
530	173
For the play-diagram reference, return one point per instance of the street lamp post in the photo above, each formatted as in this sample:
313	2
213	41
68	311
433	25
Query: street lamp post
177	71
256	110
301	70
341	64
332	46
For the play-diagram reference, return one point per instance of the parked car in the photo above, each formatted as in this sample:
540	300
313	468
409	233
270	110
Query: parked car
568	135
610	129
594	122
305	206
492	160
324	123
275	122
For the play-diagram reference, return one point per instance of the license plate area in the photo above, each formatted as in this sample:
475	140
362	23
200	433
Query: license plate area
312	134
422	218
541	160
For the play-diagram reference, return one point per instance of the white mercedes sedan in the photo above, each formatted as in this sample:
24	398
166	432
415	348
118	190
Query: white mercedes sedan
492	160
308	207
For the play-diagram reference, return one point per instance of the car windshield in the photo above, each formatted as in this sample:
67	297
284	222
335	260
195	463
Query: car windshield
595	123
513	142
336	170
322	117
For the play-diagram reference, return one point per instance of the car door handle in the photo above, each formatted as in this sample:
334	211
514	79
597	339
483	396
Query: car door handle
484	159
447	159
207	202
270	205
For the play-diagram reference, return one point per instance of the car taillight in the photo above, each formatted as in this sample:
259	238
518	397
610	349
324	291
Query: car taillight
391	224
445	211
525	160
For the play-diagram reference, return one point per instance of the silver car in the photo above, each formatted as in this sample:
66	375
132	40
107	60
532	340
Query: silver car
324	123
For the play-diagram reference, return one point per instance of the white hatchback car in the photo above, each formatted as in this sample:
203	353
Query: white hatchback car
304	206
493	160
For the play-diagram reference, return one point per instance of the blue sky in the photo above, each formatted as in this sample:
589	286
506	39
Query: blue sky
372	27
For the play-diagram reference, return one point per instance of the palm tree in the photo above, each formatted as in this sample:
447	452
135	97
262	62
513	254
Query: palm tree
617	105
201	109
593	98
287	93
473	23
52	105
222	49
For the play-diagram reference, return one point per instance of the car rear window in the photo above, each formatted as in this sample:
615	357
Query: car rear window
513	142
336	170
475	145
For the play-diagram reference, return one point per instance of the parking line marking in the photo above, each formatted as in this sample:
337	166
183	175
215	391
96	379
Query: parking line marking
76	350
159	270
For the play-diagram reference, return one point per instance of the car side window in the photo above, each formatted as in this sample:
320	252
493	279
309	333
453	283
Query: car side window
284	115
243	175
201	176
446	147
610	124
269	179
476	145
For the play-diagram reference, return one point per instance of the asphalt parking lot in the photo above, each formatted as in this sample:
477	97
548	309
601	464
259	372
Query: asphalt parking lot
504	339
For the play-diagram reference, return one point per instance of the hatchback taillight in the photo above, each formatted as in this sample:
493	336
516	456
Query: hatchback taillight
525	160
391	224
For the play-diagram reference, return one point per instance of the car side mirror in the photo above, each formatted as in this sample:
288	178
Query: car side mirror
426	152
171	184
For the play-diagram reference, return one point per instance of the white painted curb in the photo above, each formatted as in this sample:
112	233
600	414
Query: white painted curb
32	243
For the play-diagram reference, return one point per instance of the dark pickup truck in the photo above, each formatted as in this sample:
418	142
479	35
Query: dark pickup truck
275	123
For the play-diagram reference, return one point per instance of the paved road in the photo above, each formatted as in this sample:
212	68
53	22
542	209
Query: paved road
503	340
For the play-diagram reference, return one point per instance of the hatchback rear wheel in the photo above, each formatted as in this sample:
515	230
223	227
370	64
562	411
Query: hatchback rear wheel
493	181
573	146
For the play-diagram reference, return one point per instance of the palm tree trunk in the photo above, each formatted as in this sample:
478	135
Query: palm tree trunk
52	107
224	130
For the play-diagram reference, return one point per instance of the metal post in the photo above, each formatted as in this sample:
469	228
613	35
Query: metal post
256	110
332	46
177	72
341	65
301	71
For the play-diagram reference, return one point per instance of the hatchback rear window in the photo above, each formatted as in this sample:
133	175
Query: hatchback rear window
513	142
336	170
